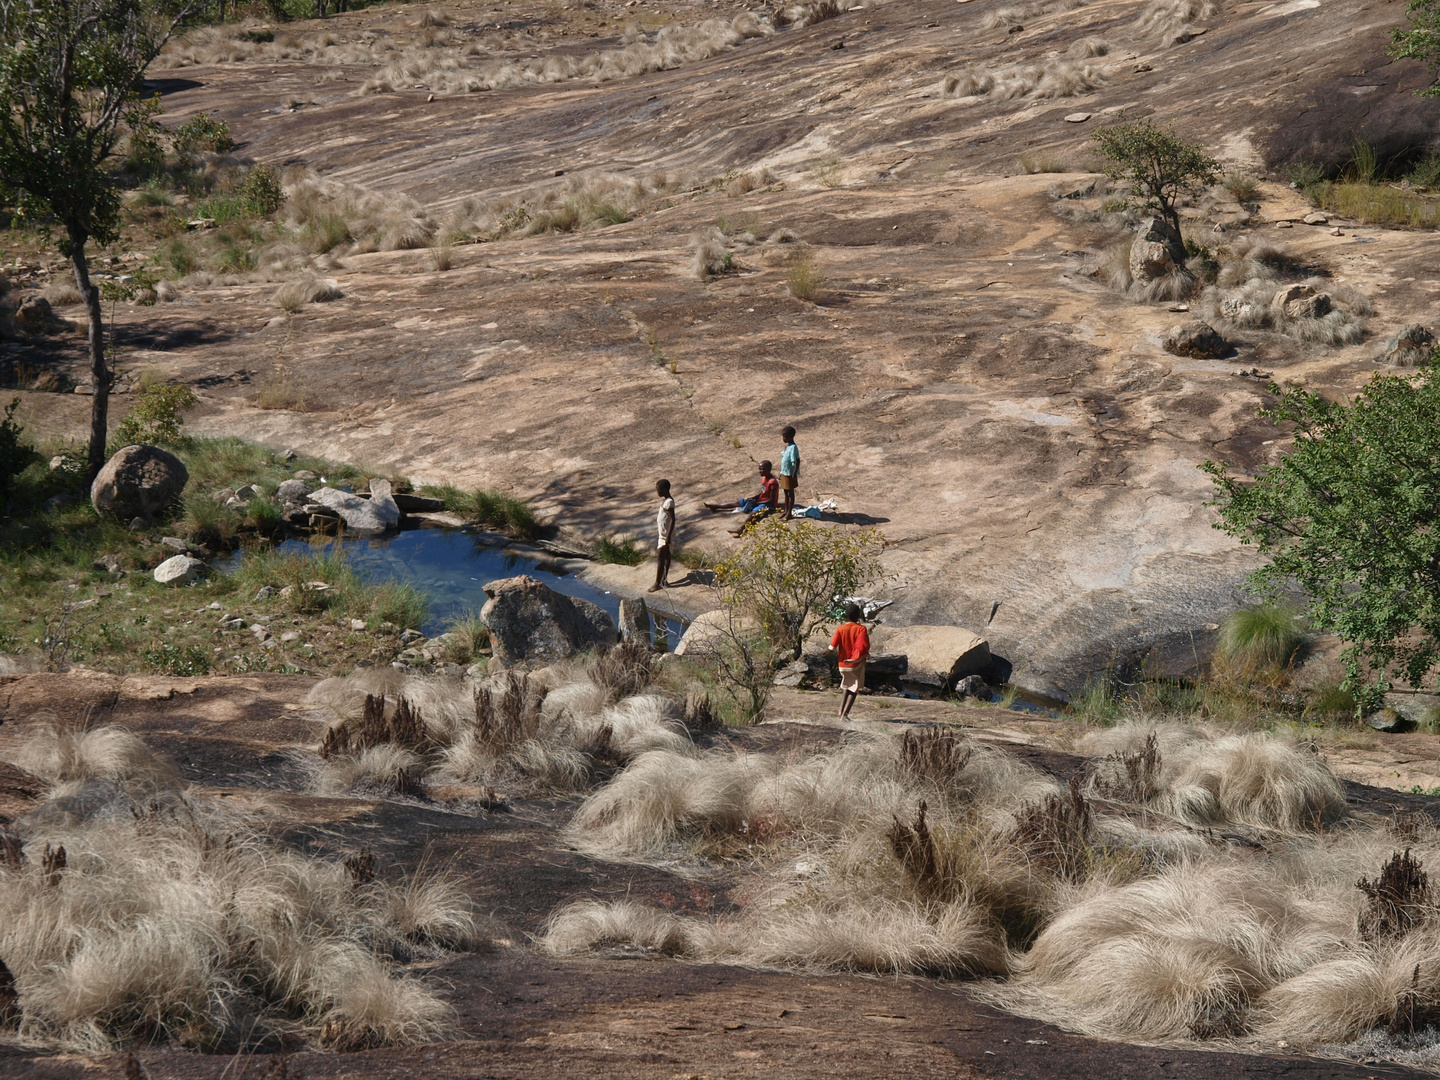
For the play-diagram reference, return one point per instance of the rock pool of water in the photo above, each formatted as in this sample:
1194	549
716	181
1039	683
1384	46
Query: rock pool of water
453	566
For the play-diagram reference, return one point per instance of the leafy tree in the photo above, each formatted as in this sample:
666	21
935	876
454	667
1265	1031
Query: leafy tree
1352	515
1421	40
1158	164
68	73
787	576
156	416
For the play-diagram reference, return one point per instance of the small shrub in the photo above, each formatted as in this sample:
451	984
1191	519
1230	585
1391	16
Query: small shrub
263	514
804	280
1038	162
15	456
177	254
1158	165
1364	163
503	512
281	392
1426	173
622	552
170	659
203	132
442	255
467	637
1396	901
156	418
260	191
1266	634
1242	188
208	522
1305	175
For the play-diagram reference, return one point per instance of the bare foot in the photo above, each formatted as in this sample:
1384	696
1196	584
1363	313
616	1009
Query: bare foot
653	588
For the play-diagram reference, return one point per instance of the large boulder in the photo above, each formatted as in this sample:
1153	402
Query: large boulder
708	630
293	492
939	656
1300	302
634	621
139	481
1411	347
1156	252
1198	339
530	622
360	515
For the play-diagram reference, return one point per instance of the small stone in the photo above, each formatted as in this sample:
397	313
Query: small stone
214	605
179	570
269	643
293	491
174	542
477	671
247	493
289	636
357	624
286	455
1337	231
1077	117
1315	219
1284	224
305	474
409	636
792	674
1198	339
265	593
233	624
453	671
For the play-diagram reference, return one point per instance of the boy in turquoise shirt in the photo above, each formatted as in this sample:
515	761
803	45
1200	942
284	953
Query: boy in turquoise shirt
789	470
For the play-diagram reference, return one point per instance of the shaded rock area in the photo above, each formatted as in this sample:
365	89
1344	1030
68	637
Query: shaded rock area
139	481
1198	339
937	656
530	622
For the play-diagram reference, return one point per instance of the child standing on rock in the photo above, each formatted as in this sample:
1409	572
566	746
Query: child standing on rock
851	644
789	470
665	530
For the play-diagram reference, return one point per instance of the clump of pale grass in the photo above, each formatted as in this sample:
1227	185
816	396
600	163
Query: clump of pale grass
1019	14
294	295
1171	20
62	294
548	730
329	213
1053	78
64	752
709	256
446	71
180	922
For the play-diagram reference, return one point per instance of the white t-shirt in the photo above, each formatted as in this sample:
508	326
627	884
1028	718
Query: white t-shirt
665	521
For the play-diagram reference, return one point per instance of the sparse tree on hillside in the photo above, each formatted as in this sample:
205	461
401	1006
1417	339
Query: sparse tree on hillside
1158	164
1421	40
69	73
1352	515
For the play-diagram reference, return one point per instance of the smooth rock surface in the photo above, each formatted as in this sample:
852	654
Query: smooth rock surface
178	570
360	515
531	622
939	656
139	481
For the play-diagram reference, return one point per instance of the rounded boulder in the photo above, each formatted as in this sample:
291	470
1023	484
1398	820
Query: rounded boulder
139	481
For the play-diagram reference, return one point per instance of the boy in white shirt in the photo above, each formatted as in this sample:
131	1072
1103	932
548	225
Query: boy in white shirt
665	530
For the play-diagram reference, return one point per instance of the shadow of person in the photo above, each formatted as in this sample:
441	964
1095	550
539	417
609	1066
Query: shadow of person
857	519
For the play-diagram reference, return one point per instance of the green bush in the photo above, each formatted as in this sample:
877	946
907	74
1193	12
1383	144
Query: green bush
168	659
15	456
202	132
1159	166
467	636
261	192
263	514
1266	634
156	418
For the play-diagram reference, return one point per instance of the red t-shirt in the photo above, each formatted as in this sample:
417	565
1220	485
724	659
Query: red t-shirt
769	490
852	642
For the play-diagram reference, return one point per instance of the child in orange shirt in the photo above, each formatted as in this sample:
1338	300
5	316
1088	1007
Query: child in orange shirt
851	644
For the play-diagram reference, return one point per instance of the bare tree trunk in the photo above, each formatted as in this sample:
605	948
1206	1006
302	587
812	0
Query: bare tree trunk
99	372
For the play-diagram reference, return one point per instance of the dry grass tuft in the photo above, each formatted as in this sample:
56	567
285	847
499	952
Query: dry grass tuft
1019	14
1053	78
709	256
162	917
554	730
62	294
804	280
1171	21
295	295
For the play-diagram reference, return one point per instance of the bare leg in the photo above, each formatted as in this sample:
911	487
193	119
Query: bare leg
789	503
662	569
847	698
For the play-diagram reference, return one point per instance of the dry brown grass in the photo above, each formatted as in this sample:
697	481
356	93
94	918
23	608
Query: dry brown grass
294	295
1052	78
137	912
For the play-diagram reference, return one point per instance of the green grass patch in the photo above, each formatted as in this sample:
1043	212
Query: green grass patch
1263	635
1378	204
621	552
490	508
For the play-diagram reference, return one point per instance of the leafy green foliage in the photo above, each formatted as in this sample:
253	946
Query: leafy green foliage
1158	164
203	132
156	416
1421	40
15	456
1352	515
260	191
491	508
168	659
788	574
